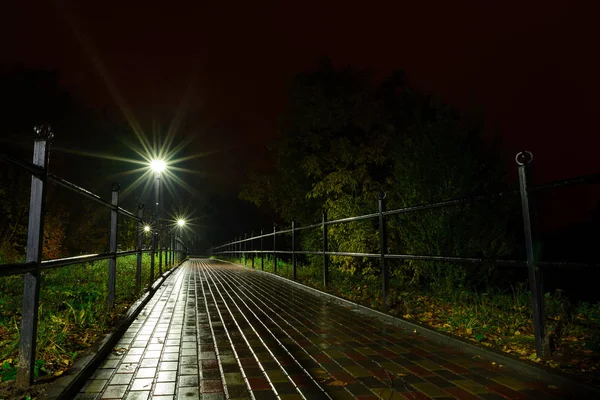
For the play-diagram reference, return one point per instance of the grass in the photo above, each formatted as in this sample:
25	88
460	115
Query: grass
501	319
73	311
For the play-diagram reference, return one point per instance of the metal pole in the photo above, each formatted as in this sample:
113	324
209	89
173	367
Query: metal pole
138	269
262	256
153	252
160	252
245	247
112	262
35	235
252	247
157	222
385	273
274	249
293	252
523	160
325	257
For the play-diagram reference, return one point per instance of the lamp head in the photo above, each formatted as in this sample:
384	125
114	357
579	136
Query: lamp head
158	166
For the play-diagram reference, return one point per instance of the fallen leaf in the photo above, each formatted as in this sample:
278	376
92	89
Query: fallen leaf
552	387
337	383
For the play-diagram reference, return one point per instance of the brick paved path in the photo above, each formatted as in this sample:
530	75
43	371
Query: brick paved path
216	331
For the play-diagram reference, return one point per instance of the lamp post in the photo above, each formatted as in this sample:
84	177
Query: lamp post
157	166
180	225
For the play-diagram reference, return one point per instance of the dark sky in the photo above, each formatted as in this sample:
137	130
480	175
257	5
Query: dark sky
530	66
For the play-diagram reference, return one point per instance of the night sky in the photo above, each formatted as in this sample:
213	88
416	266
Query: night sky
530	66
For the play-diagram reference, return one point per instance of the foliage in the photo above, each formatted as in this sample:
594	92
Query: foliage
14	207
344	139
54	234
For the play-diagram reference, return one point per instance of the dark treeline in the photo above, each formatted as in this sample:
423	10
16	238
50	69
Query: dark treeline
345	138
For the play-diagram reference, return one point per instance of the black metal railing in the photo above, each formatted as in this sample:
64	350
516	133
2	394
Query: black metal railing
239	246
174	249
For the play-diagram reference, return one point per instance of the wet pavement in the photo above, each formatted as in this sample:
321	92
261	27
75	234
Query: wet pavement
218	331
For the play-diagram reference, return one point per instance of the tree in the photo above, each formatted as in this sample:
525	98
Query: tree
441	158
344	139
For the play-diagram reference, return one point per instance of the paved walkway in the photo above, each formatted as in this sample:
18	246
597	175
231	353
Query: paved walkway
217	331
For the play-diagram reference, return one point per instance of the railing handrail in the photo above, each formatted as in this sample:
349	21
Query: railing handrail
583	179
90	195
22	268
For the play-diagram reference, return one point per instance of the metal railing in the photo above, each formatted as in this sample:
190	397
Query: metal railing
32	267
239	245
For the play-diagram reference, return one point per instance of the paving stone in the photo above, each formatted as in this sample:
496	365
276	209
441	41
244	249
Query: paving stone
164	388
95	385
121	379
114	392
188	380
166	376
142	384
149	363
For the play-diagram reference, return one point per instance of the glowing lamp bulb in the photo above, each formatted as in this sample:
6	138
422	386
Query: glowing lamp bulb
158	166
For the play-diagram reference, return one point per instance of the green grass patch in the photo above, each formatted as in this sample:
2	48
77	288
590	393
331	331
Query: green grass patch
73	311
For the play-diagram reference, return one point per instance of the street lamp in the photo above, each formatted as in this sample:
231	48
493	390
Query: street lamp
147	228
180	222
157	166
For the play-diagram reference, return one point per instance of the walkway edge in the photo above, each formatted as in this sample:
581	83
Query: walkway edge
558	378
67	386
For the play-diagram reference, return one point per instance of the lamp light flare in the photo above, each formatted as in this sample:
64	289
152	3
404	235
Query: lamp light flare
180	222
158	166
147	228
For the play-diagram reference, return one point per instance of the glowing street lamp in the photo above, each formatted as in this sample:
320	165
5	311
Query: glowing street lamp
180	222
147	228
157	166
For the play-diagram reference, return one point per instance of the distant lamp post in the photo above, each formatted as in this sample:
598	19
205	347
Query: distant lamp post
180	222
157	166
147	228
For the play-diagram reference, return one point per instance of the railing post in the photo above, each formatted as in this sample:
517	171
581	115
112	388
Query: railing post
523	160
35	234
112	262
152	253
274	249
385	273
293	251
168	250
325	257
245	247
262	255
160	253
138	269
252	247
